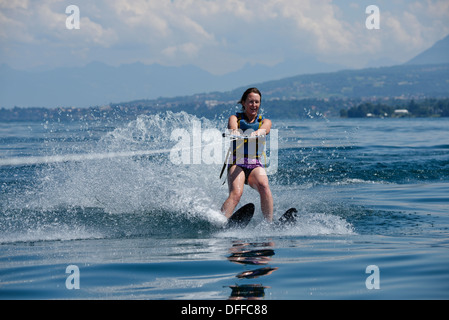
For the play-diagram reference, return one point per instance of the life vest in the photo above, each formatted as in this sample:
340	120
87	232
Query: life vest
245	125
252	148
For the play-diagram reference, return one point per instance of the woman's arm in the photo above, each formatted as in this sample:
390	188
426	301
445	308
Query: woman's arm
264	128
233	125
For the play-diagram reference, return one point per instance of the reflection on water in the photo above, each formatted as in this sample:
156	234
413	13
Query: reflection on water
254	254
247	292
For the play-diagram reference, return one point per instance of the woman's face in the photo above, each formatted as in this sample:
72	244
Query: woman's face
252	104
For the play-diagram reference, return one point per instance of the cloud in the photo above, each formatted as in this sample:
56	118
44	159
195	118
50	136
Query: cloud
14	4
44	22
316	21
218	35
414	28
189	49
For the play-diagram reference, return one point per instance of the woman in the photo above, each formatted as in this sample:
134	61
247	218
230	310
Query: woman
248	170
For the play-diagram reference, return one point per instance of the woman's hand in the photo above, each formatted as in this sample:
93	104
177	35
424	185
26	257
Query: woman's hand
235	132
260	132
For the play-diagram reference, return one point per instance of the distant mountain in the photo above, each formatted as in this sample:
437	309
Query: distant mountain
438	53
100	84
392	88
324	92
97	84
405	82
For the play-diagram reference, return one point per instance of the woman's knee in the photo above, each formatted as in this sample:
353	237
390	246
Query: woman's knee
259	181
235	195
264	189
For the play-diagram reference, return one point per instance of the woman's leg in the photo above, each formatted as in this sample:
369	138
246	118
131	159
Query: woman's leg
236	181
258	180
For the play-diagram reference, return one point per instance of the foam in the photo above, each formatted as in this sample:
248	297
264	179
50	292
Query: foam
128	174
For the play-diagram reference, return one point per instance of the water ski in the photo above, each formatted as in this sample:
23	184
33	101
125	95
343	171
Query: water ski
241	217
289	217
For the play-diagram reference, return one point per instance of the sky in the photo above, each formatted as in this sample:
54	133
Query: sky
219	36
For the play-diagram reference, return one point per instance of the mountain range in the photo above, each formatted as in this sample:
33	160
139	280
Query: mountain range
438	53
99	84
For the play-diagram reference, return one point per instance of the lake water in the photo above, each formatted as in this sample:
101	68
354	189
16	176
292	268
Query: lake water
99	210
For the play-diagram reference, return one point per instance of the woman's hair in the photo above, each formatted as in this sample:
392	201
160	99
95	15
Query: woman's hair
247	92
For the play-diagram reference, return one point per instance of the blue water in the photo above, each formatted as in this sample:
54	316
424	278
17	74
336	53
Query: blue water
106	197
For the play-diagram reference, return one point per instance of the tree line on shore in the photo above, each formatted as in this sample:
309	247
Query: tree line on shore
423	108
274	108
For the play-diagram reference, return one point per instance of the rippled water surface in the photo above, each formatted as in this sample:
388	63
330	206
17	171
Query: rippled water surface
108	199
